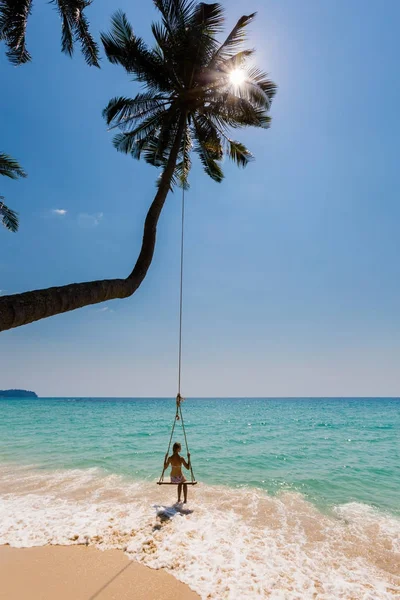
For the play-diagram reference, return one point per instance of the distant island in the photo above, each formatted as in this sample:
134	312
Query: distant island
17	394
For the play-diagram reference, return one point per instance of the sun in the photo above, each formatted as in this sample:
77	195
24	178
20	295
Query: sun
237	77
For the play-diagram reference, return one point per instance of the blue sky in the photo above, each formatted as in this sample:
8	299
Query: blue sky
292	282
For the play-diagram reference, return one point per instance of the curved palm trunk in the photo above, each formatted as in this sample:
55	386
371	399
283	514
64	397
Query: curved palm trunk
21	309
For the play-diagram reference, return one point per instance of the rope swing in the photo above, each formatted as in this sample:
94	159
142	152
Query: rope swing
179	399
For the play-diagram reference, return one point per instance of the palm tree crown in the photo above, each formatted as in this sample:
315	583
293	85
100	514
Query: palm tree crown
74	28
9	167
191	100
187	78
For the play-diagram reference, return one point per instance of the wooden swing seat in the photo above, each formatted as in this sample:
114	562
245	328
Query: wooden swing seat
170	483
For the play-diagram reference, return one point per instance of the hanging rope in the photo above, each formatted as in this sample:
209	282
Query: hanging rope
186	442
170	440
181	292
179	399
178	417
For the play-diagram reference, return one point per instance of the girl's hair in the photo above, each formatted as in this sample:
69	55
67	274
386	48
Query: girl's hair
176	446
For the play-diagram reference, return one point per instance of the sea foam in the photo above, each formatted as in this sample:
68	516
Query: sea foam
225	544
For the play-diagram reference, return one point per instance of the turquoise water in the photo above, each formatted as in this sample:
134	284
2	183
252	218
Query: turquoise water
332	451
298	498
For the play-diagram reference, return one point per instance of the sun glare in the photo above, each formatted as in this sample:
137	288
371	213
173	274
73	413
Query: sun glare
237	77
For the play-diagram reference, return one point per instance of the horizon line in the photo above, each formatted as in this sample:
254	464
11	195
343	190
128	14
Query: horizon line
341	397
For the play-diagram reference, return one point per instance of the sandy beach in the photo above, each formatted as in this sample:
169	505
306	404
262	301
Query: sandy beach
82	573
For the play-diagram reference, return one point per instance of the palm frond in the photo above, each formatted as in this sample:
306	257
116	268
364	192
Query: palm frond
260	79
75	27
121	38
124	48
208	147
254	94
209	16
211	167
157	151
205	24
125	142
186	36
231	111
180	177
175	13
121	111
138	146
239	153
184	164
67	38
8	217
10	167
234	149
162	37
208	134
152	153
89	47
13	19
236	61
236	37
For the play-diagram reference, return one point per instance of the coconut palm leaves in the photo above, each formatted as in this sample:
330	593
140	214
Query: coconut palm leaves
9	167
189	103
186	73
8	217
74	28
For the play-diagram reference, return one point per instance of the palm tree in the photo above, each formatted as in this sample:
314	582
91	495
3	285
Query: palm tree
10	168
8	217
190	101
75	27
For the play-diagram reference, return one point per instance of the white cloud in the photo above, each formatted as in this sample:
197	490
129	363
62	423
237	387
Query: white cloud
87	221
105	309
59	211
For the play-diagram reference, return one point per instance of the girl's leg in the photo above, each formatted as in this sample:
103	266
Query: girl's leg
179	491
185	492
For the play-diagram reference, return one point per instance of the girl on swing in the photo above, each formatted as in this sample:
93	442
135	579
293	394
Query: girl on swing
176	461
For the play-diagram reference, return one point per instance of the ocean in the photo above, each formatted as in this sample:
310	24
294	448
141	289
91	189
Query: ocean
297	498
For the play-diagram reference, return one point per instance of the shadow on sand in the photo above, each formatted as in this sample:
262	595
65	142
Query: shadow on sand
166	513
97	594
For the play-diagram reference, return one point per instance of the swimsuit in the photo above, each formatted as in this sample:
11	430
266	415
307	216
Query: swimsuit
178	479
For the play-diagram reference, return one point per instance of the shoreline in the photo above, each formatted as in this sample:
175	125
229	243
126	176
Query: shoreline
83	573
301	503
